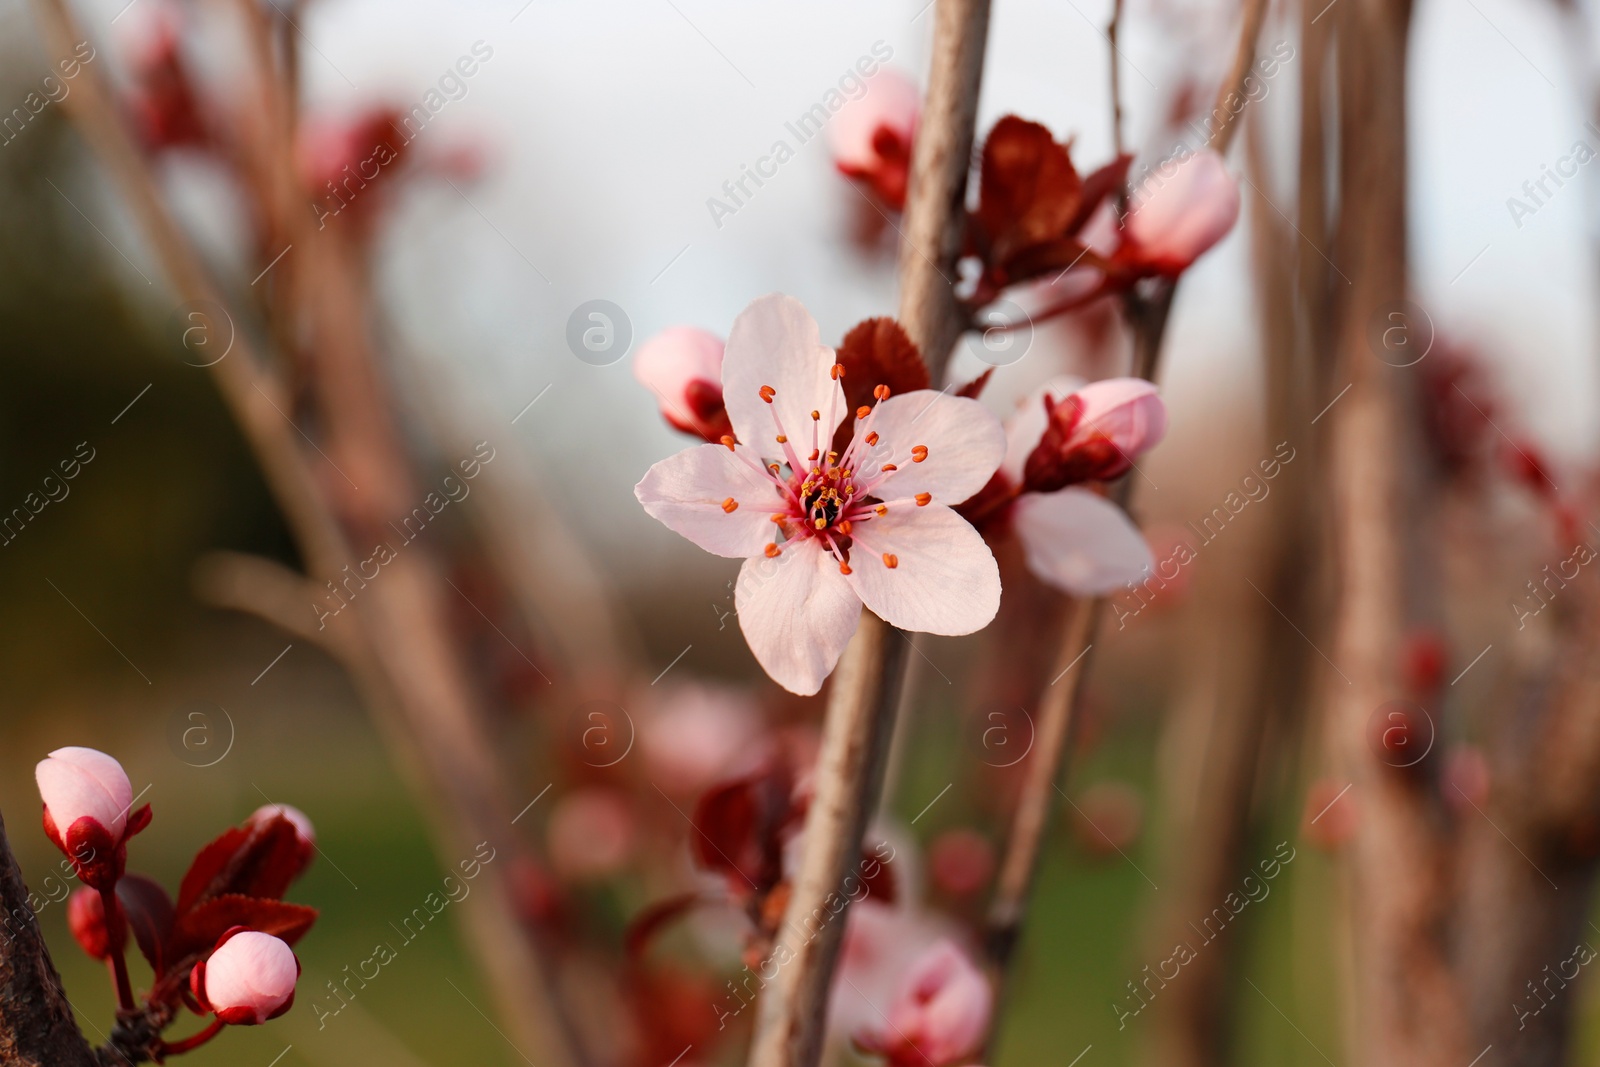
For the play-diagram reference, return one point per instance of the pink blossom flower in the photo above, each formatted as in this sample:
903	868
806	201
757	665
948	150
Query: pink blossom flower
824	532
305	834
1094	433
249	978
87	798
682	366
871	136
1073	538
1179	216
701	733
939	1014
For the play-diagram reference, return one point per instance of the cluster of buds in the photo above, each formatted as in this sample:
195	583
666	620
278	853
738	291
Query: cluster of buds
222	948
1094	434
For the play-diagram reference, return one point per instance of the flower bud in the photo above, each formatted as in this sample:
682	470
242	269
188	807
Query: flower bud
249	978
1177	217
161	98
682	366
86	800
939	1014
86	918
871	135
305	835
1095	434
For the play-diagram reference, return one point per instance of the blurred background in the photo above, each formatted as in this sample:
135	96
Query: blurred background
576	166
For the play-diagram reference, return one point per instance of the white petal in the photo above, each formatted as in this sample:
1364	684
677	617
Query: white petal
686	492
1080	542
775	342
964	441
945	580
1026	426
797	613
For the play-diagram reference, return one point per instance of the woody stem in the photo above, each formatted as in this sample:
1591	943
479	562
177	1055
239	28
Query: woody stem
116	946
866	686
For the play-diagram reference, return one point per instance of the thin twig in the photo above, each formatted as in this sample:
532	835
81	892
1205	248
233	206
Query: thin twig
862	702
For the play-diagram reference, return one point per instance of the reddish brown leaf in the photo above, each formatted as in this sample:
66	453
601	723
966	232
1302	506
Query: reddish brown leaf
1028	194
149	912
973	389
878	877
259	860
738	829
197	930
879	352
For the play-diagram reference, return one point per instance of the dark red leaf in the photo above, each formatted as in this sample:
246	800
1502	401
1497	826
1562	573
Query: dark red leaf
878	877
878	352
149	912
974	388
258	860
738	828
1028	194
1097	187
196	931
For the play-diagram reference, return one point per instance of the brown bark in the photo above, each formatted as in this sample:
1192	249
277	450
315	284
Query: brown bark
1408	1001
36	1024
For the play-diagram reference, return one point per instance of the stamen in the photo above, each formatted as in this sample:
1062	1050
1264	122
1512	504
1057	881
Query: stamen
844	568
821	524
889	467
872	438
923	498
863	411
881	392
774	467
882	509
730	505
836	371
779	519
782	440
891	560
767	393
727	440
816	416
844	527
773	551
919	453
813	457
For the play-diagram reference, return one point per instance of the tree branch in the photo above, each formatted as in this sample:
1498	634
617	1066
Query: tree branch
862	701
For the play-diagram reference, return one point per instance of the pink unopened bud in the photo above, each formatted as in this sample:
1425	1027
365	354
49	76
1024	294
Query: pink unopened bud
87	797
871	135
86	918
162	98
593	832
1180	215
939	1014
682	366
249	978
305	834
1095	434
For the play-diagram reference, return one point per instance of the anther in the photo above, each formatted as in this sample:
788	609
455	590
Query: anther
891	560
872	438
730	505
863	411
816	416
782	440
727	440
923	498
772	551
881	392
844	568
836	371
767	393
813	457
919	453
844	527
882	509
821	524
890	467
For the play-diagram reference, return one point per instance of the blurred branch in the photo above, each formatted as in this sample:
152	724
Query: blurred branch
265	588
1147	315
410	670
1244	56
37	1028
862	701
1398	863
